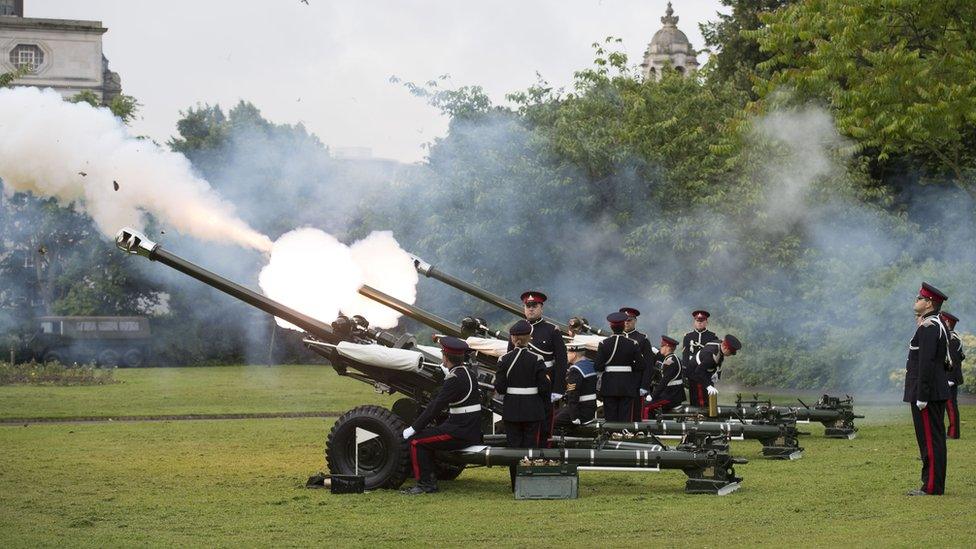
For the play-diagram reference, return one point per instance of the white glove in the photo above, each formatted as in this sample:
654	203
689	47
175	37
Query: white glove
648	398
921	404
408	432
577	422
643	392
712	390
952	383
445	369
715	378
555	396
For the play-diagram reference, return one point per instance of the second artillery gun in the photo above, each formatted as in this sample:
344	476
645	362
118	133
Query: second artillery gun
367	439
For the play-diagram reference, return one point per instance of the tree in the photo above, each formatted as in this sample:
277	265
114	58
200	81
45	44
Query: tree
124	107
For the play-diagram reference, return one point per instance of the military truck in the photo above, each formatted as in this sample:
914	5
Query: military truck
104	340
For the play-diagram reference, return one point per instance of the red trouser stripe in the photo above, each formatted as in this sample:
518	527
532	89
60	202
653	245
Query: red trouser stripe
646	413
413	450
953	426
701	396
930	485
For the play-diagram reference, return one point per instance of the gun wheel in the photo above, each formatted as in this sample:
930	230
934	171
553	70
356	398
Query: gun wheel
384	458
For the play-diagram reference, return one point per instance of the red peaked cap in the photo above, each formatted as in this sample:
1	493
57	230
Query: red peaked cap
932	293
665	340
700	312
453	346
533	296
949	319
630	311
616	319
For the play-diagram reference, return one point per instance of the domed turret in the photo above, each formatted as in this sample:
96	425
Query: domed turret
669	46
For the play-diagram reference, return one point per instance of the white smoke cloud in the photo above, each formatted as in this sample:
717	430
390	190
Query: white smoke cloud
76	154
314	273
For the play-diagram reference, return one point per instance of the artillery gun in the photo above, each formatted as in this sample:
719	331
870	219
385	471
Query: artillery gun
836	414
367	439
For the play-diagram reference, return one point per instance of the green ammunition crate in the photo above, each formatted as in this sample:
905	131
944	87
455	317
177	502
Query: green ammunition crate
546	482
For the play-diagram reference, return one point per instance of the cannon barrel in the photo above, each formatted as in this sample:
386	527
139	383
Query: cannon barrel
136	243
439	324
430	271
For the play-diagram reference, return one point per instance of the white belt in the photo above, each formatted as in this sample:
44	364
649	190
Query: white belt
522	391
550	363
587	398
618	369
674	382
466	409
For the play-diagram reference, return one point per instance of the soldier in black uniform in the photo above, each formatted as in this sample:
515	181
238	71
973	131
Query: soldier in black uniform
706	368
955	374
669	391
461	397
547	341
697	338
580	389
522	381
927	388
619	359
649	354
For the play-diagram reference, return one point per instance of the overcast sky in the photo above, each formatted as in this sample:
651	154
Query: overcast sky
328	63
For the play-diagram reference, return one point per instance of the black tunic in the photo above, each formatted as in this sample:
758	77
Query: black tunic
581	390
649	354
706	363
926	377
671	387
958	356
521	378
693	342
547	341
461	397
620	360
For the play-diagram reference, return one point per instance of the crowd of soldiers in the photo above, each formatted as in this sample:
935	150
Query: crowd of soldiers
547	382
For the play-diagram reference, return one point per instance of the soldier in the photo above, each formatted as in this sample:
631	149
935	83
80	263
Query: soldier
580	388
706	368
522	380
548	342
669	392
461	397
927	388
620	360
649	355
697	338
955	374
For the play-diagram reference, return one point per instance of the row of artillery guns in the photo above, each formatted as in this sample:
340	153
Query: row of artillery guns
367	439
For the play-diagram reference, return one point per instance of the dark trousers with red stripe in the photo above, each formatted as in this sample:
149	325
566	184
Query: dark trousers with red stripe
617	408
545	428
422	448
521	434
697	395
930	433
662	405
952	409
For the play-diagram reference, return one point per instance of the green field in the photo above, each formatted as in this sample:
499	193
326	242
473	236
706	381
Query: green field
240	482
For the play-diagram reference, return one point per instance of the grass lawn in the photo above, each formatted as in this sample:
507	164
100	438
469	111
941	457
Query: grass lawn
240	482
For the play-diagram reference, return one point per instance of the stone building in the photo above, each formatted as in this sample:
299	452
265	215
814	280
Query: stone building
57	53
669	48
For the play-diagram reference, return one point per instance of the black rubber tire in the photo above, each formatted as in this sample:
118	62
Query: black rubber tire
133	358
448	471
383	460
109	358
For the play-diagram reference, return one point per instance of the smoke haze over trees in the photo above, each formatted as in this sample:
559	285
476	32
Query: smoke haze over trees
800	189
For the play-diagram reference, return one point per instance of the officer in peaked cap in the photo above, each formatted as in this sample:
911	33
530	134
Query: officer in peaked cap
621	363
706	370
580	388
669	391
523	382
461	397
957	357
547	341
927	388
649	356
698	337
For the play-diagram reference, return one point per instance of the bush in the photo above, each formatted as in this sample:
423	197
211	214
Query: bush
53	373
968	365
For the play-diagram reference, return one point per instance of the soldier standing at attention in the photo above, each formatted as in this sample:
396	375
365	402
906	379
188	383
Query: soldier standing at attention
580	389
522	380
927	388
955	374
697	338
669	391
620	360
461	396
706	369
648	353
547	341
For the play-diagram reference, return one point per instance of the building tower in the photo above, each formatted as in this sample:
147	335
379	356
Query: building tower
669	47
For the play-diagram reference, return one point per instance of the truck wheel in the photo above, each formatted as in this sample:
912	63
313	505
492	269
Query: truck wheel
447	470
384	457
133	358
53	356
108	358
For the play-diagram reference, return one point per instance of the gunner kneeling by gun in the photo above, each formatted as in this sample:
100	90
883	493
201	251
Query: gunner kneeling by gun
580	388
461	396
669	391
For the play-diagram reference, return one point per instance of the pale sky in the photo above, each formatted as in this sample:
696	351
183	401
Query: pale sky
328	63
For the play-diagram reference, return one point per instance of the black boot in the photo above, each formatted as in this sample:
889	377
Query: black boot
428	486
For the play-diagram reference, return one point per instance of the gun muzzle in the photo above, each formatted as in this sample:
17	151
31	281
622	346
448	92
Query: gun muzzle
134	242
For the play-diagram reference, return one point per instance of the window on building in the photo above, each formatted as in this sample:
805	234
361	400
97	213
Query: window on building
27	56
8	7
47	327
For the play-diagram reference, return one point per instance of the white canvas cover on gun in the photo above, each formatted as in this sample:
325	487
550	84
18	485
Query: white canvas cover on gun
488	346
591	342
382	357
